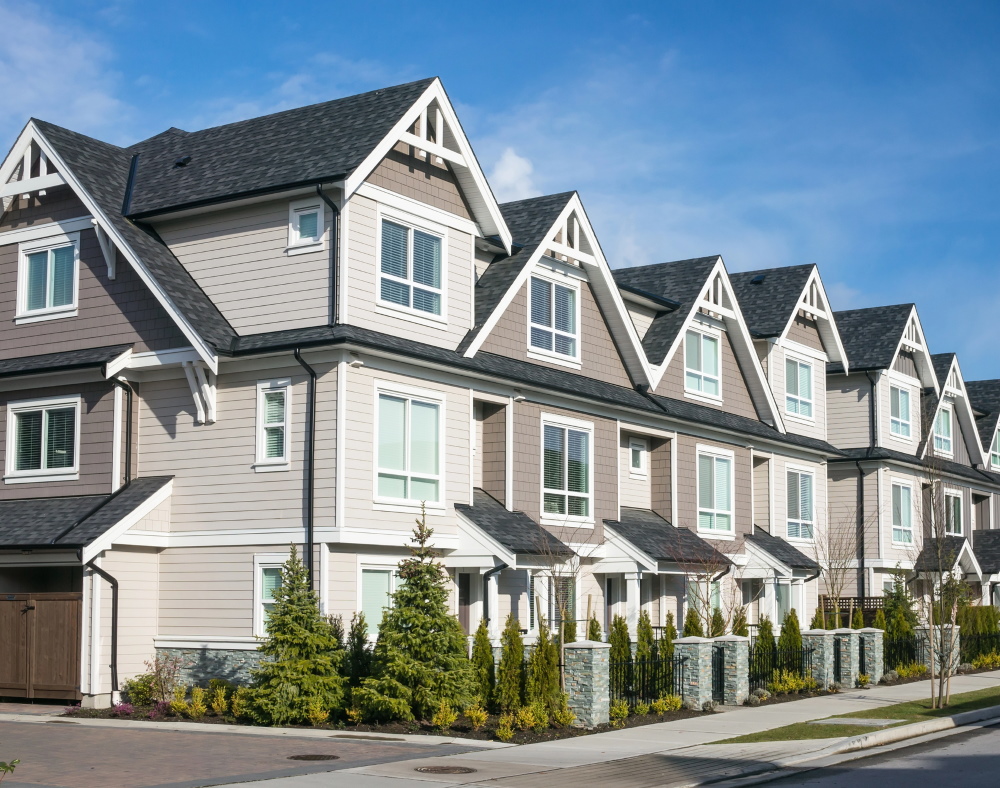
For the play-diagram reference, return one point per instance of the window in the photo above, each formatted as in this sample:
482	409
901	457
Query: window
638	450
715	595
798	388
305	226
267	580
800	505
902	514
562	600
273	408
554	321
377	588
899	400
701	363
715	493
783	600
43	440
411	268
47	280
942	431
565	471
953	514
995	450
408	449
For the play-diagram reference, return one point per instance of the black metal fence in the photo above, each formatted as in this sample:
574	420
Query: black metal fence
644	680
718	673
764	663
973	646
897	652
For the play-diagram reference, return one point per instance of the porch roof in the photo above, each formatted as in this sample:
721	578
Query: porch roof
514	530
986	547
662	541
777	547
61	362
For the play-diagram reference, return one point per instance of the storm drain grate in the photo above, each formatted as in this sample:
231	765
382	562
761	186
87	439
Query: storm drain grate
312	756
444	769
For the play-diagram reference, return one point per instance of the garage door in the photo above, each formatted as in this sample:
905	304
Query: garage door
40	645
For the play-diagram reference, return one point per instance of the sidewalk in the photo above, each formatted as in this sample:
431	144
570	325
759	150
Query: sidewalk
665	754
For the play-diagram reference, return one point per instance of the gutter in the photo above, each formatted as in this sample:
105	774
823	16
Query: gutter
334	254
114	622
310	476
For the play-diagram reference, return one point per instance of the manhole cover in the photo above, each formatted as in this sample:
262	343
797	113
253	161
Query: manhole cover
312	756
444	769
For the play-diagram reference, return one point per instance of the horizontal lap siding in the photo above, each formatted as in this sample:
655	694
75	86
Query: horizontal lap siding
493	452
363	282
845	518
96	441
816	427
238	257
847	402
735	395
137	572
687	483
512	595
762	471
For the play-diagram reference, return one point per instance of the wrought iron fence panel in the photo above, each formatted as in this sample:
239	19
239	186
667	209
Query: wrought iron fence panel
900	651
973	646
718	673
764	663
644	680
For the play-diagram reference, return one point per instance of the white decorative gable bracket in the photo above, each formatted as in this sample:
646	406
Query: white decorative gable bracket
107	247
22	183
202	383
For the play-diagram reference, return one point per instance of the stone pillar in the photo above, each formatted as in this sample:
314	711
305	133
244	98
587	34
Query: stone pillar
923	644
737	667
871	643
633	602
821	643
850	656
588	682
697	685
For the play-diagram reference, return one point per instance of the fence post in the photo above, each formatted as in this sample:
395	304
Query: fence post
588	682
697	686
737	668
873	645
850	656
821	643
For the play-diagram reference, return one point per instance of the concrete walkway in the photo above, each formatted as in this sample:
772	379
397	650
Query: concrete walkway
665	754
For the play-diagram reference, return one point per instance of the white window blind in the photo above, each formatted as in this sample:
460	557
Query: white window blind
45	439
408	449
902	514
411	268
274	425
701	363
51	277
566	471
376	596
953	515
270	582
899	417
715	493
273	402
308	226
942	431
801	506
553	318
798	388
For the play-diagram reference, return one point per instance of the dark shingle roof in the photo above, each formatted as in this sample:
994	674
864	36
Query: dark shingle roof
35	522
986	548
514	530
60	362
938	554
102	171
945	466
984	396
769	297
788	555
662	541
298	146
942	366
871	336
681	281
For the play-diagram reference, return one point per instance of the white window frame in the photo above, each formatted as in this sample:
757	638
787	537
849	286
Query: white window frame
716	453
810	401
430	397
13	476
297	245
898	423
22	314
411	222
801	471
265	464
995	450
892	514
375	564
948	496
642	446
939	449
262	561
542	354
550	518
710	333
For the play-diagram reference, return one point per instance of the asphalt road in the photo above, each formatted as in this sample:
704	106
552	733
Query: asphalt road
969	760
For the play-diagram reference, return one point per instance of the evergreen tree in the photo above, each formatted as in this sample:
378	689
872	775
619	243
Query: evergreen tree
594	629
718	624
510	676
337	627
645	643
359	651
669	636
880	619
621	642
301	659
569	630
692	624
740	626
818	620
900	616
791	633
542	683
483	665
858	619
420	660
763	646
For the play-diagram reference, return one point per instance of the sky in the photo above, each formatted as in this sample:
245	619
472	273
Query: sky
861	136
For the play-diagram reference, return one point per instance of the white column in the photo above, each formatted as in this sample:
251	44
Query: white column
632	602
493	605
769	602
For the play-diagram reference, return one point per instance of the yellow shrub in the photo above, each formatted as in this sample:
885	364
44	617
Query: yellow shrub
316	713
525	718
666	703
989	661
505	727
220	703
178	705
476	715
618	713
197	707
911	670
238	703
444	717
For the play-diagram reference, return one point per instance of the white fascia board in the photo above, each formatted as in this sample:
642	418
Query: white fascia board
162	358
112	535
472	540
767	560
116	365
38	231
204	351
626	549
826	324
471	177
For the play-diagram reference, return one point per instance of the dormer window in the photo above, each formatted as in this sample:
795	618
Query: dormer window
411	268
47	278
305	226
942	431
702	364
798	388
554	318
899	411
995	451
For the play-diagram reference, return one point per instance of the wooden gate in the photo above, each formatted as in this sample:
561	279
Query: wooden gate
40	645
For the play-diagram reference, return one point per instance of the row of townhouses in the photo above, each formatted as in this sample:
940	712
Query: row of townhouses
307	328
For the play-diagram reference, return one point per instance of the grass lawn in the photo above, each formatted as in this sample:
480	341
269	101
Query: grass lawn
913	711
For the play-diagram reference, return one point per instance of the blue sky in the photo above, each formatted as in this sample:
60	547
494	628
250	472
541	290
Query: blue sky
862	136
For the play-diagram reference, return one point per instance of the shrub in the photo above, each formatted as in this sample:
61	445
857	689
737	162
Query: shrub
477	715
524	718
752	701
791	633
966	667
444	717
911	670
692	624
483	665
863	680
618	713
717	627
354	715
818	619
709	706
197	707
359	651
542	682
665	647
880	619
510	675
337	628
505	727
315	712
594	629
858	620
123	710
644	637
541	713
239	701
227	686
667	702
762	693
164	671
569	630
7	767
220	702
692	705
740	626
900	615
834	687
178	704
989	661
138	690
786	681
641	709
764	644
621	642
563	717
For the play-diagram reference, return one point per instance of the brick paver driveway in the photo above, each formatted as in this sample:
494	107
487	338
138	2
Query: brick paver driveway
68	755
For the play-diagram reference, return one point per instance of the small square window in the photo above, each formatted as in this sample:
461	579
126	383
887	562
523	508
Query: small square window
306	220
638	451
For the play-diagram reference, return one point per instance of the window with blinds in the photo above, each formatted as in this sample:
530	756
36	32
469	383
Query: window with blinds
48	279
410	268
409	449
801	506
272	420
44	438
702	364
377	586
798	388
902	514
566	469
270	582
553	318
899	411
715	493
562	601
942	431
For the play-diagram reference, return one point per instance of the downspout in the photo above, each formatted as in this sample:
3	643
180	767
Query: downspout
872	443
114	622
310	464
486	589
334	252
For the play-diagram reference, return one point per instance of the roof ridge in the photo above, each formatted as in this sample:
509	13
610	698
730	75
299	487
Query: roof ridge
666	263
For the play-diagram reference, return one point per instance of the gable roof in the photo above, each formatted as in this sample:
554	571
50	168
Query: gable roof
871	336
984	396
945	553
777	547
931	400
986	547
514	530
325	141
661	541
770	296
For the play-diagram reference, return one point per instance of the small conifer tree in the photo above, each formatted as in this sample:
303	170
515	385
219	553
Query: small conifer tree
337	625
542	681
818	619
621	643
483	665
858	620
763	647
594	629
669	636
301	659
644	642
510	676
880	619
359	651
740	626
569	630
718	624
692	624
421	659
791	633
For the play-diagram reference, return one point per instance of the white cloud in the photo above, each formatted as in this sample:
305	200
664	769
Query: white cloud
512	177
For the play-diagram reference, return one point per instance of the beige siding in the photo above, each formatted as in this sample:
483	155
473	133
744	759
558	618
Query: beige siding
896	442
805	331
599	356
762	493
845	519
493	451
661	501
959	448
343	585
237	256
363	283
815	427
641	316
687	483
137	572
847	402
634	487
512	588
403	172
